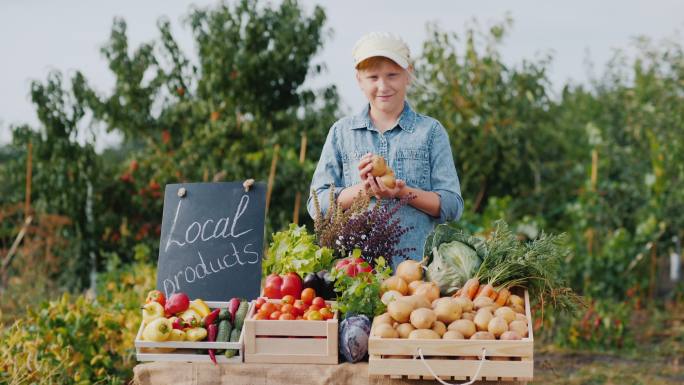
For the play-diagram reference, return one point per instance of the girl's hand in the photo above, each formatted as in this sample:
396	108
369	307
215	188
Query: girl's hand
365	167
377	188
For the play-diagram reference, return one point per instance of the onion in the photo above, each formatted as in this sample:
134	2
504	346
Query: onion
390	296
395	283
410	271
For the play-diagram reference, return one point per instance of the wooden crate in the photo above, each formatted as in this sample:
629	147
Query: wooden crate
454	359
291	342
186	351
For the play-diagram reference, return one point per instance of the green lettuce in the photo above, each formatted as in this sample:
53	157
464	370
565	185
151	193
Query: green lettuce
295	250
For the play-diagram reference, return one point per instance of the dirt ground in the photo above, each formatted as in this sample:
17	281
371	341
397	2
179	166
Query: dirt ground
581	368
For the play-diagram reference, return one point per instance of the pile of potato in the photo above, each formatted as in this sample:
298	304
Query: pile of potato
416	311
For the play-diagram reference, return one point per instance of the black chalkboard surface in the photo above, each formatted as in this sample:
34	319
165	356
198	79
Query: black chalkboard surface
211	241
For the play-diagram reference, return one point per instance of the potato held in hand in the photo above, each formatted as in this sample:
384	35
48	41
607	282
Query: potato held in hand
381	170
389	180
379	166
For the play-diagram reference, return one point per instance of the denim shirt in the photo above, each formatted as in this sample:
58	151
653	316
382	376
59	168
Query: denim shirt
418	151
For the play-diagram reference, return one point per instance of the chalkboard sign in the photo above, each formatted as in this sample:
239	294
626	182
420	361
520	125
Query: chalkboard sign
211	241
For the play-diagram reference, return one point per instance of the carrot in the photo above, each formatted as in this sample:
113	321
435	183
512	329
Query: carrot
470	288
494	294
486	291
503	297
458	293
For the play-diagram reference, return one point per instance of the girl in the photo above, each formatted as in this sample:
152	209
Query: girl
415	146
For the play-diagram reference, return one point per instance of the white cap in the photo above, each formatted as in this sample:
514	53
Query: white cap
382	44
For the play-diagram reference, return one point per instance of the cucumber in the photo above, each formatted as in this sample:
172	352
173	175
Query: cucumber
234	337
223	335
224	314
241	314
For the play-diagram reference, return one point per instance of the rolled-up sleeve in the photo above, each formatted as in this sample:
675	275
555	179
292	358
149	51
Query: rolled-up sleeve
444	178
328	173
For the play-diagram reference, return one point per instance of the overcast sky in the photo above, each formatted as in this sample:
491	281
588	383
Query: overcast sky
37	36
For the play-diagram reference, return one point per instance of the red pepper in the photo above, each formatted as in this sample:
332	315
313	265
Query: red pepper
211	318
233	306
292	285
178	302
353	266
278	286
178	323
212	330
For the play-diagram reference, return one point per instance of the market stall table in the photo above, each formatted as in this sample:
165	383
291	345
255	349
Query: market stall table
179	373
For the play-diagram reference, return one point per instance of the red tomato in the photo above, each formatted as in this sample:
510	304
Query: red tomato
287	308
288	299
319	301
300	306
260	301
286	316
260	316
315	316
327	313
299	317
308	295
267	308
275	315
314	308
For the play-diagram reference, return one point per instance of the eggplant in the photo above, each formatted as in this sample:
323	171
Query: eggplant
313	281
327	285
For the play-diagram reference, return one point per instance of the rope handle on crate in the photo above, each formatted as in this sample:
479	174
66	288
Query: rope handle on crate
473	379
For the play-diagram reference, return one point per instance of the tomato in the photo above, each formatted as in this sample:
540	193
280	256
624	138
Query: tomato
275	315
319	301
327	313
299	317
315	316
300	306
260	301
267	308
260	316
308	295
288	299
314	308
287	308
286	316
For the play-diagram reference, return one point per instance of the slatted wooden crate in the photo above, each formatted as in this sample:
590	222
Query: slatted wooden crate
187	351
454	359
291	342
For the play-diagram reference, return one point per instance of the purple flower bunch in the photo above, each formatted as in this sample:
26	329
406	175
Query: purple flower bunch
375	231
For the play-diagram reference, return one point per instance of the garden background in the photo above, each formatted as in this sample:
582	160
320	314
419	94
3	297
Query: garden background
601	161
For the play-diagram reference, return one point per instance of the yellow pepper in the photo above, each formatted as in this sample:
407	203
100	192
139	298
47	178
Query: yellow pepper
196	334
158	330
200	307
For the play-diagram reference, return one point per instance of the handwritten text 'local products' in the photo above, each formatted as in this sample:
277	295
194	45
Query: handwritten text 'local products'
198	232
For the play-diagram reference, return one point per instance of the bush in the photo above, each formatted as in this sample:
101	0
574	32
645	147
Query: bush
79	340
